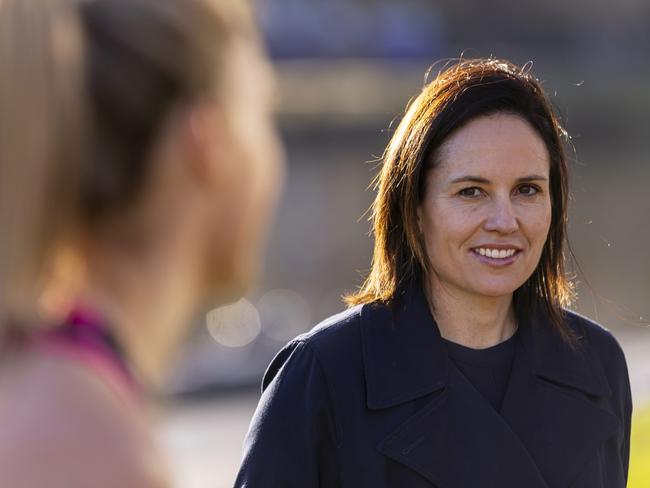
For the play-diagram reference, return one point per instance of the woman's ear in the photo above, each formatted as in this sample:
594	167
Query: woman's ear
207	143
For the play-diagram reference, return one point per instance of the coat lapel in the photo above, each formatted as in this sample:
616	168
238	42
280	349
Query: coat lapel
549	425
459	441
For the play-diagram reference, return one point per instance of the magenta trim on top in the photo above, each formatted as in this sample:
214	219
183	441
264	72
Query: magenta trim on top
86	337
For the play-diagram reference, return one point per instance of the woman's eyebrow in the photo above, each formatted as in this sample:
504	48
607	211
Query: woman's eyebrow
480	179
532	178
470	178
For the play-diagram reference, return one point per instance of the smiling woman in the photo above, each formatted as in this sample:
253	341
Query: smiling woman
458	364
484	217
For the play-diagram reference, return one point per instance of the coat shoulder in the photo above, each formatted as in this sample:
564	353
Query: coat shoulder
332	327
598	338
332	342
335	331
603	346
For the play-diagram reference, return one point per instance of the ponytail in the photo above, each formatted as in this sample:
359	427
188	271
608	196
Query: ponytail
42	129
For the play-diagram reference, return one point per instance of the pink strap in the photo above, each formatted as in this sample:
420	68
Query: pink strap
82	339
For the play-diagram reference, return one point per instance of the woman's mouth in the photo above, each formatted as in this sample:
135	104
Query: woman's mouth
496	257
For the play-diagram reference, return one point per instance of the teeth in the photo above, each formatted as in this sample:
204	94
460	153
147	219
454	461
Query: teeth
496	253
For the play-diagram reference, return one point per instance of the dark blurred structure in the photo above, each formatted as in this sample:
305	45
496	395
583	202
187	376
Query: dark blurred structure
339	28
589	29
347	68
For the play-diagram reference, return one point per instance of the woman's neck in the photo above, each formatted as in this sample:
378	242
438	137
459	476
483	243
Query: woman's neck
147	296
471	320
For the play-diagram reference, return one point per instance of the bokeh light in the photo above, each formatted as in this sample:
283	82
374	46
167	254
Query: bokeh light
284	314
234	325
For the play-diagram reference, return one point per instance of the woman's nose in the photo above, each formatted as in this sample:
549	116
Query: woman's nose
501	217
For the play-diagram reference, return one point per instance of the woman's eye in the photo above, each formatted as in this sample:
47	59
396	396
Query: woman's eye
529	190
472	192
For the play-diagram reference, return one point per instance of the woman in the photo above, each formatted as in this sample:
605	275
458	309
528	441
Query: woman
458	366
138	164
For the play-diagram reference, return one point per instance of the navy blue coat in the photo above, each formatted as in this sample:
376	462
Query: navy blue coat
369	398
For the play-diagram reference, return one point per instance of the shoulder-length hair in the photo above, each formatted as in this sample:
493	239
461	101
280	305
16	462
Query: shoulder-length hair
459	94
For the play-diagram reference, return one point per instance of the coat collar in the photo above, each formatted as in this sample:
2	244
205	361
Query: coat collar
405	358
550	424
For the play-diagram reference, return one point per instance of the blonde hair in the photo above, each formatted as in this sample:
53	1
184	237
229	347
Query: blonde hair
42	127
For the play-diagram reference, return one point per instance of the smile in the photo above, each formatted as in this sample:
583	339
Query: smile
497	258
495	253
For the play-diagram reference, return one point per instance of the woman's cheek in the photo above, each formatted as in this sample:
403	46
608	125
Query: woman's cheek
537	238
537	218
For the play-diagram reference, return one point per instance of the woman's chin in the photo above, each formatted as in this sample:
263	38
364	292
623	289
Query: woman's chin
497	290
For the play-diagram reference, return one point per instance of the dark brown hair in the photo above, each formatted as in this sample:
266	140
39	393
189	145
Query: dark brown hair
460	93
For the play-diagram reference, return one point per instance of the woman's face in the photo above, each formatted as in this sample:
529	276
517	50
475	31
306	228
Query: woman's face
486	211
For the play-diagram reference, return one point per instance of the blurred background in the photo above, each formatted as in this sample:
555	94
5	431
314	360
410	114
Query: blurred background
346	69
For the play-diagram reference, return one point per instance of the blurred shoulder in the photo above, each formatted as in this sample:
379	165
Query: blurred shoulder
82	435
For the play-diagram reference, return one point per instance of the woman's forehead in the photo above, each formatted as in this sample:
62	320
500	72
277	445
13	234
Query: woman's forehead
497	145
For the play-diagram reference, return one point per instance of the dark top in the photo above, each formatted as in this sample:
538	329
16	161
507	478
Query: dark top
486	369
370	398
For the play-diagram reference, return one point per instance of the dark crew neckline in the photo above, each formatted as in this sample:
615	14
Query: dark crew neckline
498	354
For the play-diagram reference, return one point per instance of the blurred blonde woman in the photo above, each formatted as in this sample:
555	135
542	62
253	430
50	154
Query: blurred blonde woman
138	167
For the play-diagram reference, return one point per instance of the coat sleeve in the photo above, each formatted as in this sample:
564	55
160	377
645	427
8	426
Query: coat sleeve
617	367
291	440
627	421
